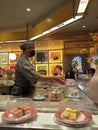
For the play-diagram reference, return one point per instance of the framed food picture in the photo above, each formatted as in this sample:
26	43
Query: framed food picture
42	69
55	56
3	58
53	66
41	57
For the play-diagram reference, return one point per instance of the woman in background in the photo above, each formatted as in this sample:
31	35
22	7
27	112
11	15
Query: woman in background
91	72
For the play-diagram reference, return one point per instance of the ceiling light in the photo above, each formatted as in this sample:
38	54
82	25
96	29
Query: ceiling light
12	41
84	26
15	41
82	6
28	9
49	20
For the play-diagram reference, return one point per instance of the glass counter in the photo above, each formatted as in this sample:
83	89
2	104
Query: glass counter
46	109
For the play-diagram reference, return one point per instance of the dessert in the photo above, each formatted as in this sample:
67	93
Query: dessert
20	111
55	95
25	108
16	113
70	113
74	94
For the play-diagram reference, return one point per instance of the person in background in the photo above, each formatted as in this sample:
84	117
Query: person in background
25	75
70	74
58	70
91	72
76	72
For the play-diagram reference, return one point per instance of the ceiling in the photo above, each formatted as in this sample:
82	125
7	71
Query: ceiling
13	14
14	17
90	20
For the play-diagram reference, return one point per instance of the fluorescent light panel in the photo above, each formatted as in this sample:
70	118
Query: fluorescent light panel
12	41
82	6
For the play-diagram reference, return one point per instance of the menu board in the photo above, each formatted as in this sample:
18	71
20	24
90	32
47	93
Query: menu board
3	58
55	56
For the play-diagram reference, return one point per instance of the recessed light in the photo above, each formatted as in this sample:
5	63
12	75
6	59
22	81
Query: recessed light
28	9
84	26
49	20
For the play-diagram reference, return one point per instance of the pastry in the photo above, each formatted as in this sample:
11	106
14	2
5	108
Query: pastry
17	113
70	113
25	108
20	111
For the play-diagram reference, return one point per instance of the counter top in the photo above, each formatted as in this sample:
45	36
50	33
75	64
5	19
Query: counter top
45	119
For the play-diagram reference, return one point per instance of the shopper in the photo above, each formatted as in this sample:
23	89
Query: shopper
25	75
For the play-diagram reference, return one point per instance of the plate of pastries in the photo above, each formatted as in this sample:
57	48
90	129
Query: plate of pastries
21	112
73	117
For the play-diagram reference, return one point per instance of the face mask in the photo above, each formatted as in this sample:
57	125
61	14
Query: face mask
32	53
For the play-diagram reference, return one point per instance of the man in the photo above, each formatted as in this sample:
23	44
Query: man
25	75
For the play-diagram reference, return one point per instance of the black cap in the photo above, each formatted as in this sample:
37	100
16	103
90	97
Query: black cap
26	44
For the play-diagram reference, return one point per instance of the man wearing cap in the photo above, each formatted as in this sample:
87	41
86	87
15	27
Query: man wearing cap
25	75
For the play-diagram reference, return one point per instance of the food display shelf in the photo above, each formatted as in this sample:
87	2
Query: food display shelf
45	118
